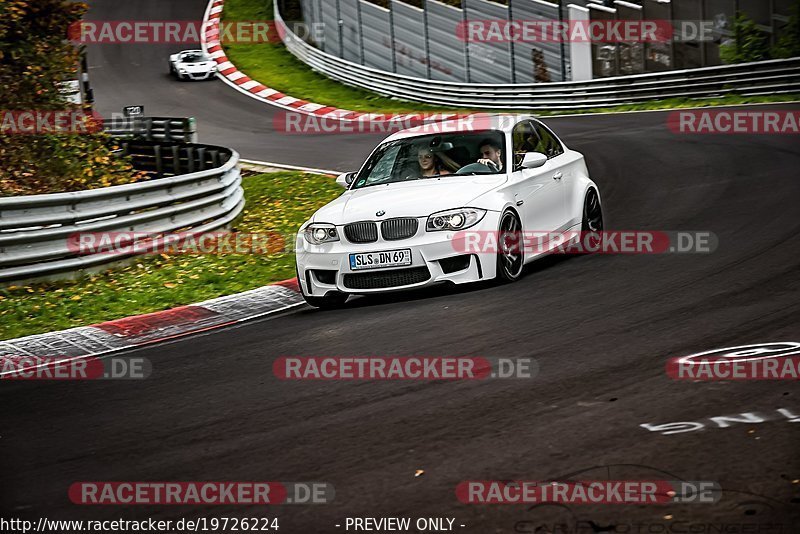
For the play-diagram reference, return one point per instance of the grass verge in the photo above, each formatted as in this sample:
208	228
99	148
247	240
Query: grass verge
278	202
274	66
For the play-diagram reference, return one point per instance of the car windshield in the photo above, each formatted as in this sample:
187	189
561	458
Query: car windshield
195	58
434	156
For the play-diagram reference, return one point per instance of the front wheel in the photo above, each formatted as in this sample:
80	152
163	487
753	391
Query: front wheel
510	258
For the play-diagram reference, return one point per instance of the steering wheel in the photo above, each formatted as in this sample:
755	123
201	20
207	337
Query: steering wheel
476	168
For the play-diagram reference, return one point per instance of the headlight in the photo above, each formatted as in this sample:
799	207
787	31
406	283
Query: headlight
319	233
457	219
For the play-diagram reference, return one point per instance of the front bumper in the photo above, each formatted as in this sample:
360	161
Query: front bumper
325	268
199	76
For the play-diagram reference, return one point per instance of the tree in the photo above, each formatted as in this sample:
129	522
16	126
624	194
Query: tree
748	43
34	57
788	44
540	72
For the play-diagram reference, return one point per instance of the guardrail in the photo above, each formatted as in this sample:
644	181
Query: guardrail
35	230
152	128
763	77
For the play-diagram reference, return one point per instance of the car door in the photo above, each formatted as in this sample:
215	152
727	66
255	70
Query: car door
538	192
561	169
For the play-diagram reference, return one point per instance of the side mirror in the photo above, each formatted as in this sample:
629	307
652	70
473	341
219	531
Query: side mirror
346	179
534	160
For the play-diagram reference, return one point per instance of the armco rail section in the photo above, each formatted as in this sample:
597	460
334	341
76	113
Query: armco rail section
763	77
153	128
198	189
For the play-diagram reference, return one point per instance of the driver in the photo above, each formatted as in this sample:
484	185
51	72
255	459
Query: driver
491	154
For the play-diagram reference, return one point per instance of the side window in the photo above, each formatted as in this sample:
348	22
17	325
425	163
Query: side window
525	140
548	144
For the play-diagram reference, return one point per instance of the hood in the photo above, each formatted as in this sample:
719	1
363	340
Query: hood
407	199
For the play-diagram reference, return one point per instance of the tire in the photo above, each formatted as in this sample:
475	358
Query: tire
330	301
510	256
592	213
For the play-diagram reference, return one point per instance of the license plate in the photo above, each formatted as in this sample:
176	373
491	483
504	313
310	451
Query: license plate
380	260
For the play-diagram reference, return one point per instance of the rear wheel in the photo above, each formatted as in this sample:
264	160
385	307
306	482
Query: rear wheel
332	300
510	257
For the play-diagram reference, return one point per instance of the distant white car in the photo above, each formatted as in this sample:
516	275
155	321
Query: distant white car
397	224
192	65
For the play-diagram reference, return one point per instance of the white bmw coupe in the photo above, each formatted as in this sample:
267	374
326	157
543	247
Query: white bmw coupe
397	225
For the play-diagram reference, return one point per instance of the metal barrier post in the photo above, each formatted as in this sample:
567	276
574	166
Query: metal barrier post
159	162
190	158
176	159
201	157
427	37
392	38
360	32
466	41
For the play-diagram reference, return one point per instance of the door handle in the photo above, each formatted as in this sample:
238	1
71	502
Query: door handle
557	176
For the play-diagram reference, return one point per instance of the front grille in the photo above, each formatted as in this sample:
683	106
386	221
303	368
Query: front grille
361	232
396	229
384	279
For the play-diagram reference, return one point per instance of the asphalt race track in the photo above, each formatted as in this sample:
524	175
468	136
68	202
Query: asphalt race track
601	328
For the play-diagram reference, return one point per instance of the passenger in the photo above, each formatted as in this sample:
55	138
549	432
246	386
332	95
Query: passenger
491	155
430	164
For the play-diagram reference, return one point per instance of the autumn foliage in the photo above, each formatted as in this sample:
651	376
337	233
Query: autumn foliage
34	57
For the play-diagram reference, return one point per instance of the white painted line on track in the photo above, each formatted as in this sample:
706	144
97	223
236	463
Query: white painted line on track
291	167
